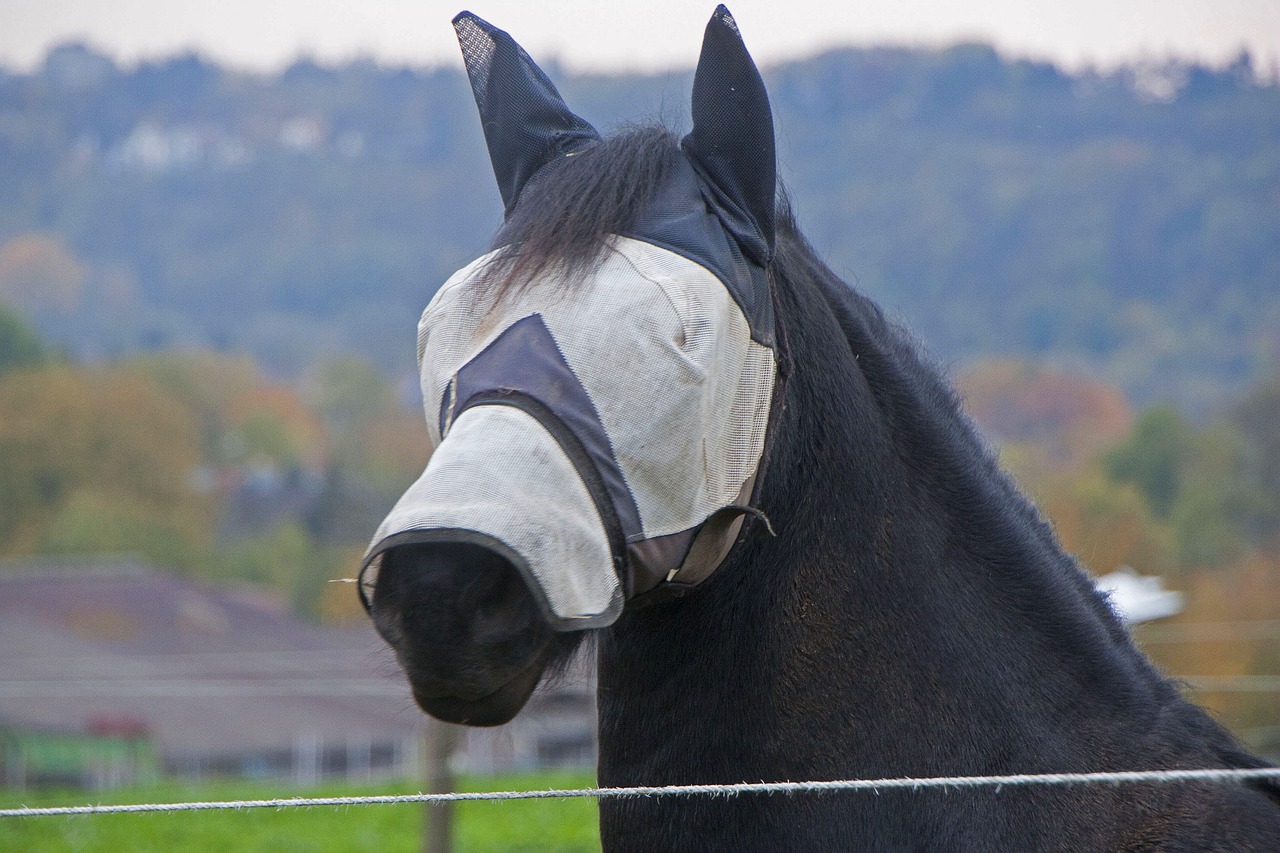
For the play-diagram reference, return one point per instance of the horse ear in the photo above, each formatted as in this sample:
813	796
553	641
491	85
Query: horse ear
731	144
526	122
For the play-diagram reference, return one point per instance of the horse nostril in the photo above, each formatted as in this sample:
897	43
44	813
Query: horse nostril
466	628
428	592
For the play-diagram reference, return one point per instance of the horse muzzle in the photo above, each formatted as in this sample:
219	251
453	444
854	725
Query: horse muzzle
501	481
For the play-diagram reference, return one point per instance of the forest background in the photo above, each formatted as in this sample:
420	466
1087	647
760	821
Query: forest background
210	282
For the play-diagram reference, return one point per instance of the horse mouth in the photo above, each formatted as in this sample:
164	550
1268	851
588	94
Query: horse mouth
493	709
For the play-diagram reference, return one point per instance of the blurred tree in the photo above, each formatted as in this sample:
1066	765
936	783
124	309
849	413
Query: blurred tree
1203	482
1071	418
1219	500
40	273
274	558
376	443
87	441
244	416
376	449
290	561
1154	458
19	346
1122	221
1258	418
349	390
1105	525
93	521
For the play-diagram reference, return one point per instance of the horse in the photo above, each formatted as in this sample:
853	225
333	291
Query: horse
878	599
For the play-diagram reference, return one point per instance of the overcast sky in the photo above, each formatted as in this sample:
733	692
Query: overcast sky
626	34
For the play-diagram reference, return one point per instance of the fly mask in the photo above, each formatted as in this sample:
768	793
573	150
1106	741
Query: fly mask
605	437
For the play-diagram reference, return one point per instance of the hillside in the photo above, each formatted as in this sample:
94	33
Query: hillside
1126	225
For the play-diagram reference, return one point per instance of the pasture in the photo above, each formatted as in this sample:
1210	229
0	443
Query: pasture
567	826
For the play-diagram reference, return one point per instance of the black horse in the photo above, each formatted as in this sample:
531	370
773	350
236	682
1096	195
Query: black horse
891	606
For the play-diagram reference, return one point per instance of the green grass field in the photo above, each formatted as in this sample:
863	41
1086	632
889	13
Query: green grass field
499	827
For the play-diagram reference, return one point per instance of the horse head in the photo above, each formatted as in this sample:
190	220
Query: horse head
598	387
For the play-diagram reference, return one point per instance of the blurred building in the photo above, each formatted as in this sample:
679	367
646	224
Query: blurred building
117	673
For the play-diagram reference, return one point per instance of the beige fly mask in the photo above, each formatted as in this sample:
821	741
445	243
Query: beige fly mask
604	434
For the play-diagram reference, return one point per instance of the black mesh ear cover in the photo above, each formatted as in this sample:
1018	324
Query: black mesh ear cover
731	144
526	122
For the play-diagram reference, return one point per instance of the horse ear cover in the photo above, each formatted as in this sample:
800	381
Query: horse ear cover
732	143
526	122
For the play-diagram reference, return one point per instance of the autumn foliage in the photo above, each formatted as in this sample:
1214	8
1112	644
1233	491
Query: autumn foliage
76	438
204	465
1070	418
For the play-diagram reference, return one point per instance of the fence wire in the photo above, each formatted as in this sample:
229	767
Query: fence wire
219	686
912	784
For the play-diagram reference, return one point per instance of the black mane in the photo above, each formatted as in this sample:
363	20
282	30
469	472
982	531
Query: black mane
941	445
985	516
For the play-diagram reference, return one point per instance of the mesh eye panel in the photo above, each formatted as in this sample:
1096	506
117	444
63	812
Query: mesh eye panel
728	410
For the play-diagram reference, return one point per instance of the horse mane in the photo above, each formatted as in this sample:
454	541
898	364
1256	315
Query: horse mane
945	444
941	444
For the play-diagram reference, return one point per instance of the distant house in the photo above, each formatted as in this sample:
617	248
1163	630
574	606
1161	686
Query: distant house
115	672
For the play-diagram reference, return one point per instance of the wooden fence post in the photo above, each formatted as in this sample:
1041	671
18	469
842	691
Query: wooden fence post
441	742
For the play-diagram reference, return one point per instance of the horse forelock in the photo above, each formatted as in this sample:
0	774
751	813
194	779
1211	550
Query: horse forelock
572	207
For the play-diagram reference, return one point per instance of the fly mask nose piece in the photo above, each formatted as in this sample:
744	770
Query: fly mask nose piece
603	434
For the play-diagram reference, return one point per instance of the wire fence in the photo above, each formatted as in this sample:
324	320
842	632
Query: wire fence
997	783
269	686
1210	632
180	688
39	688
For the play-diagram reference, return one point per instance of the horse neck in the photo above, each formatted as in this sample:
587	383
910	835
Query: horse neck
909	598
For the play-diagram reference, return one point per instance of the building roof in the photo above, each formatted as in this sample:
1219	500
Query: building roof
100	646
